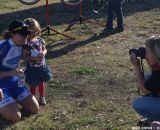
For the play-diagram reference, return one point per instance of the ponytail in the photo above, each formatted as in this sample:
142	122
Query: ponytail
6	34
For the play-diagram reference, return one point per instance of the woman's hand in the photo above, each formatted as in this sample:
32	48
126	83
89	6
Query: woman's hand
17	71
1	95
25	55
135	61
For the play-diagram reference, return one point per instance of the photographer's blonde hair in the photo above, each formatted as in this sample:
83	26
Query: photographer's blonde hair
33	24
154	44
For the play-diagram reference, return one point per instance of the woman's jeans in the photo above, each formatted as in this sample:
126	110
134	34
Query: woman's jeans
148	106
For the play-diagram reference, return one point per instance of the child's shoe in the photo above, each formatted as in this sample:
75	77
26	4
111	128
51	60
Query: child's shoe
42	101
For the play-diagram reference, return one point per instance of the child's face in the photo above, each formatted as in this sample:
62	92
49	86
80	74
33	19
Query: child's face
33	34
151	59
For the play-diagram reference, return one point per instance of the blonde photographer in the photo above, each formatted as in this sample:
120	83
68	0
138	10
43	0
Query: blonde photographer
148	105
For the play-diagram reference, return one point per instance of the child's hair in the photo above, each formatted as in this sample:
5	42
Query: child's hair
154	44
33	24
6	34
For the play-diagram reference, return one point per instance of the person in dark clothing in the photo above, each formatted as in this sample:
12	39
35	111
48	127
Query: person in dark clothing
115	6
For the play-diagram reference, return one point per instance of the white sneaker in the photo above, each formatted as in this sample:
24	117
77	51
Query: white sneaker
42	101
155	125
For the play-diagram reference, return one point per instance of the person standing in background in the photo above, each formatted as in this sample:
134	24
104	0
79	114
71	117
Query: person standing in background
115	6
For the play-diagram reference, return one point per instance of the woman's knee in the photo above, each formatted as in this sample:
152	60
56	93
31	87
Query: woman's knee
15	117
137	105
31	104
11	112
34	108
34	105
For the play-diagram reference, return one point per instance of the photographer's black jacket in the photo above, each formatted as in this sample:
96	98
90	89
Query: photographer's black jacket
153	83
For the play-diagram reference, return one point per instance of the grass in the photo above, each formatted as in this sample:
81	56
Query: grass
84	71
94	83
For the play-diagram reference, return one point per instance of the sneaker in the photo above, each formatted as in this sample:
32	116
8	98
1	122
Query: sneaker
42	101
106	31
155	125
118	29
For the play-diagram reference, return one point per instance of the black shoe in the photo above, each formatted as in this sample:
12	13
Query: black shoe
107	30
144	122
118	29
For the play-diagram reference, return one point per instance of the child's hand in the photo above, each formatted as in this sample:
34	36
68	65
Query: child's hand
25	54
41	54
1	95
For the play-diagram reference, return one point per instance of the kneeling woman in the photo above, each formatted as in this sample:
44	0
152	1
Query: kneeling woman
149	104
10	91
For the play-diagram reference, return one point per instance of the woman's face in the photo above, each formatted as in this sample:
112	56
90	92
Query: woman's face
151	59
19	39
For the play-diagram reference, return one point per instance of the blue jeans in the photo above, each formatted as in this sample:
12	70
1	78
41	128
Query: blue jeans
148	106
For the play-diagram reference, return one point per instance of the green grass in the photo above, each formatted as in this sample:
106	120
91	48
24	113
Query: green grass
94	83
84	71
60	85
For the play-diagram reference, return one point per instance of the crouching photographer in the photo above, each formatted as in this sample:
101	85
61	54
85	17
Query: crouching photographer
148	105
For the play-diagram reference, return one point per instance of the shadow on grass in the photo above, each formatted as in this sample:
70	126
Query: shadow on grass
4	123
61	14
71	47
129	9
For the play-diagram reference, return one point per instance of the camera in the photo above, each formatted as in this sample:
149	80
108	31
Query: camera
139	52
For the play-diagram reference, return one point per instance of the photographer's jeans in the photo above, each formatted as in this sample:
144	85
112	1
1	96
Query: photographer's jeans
148	106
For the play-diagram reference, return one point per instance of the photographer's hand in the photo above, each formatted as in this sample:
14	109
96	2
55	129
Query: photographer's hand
139	74
135	61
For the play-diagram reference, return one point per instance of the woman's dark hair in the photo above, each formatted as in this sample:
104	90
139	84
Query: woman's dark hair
6	34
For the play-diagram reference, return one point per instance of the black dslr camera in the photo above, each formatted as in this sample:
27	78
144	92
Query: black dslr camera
139	52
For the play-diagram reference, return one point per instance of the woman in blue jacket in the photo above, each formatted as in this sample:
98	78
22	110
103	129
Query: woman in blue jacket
10	90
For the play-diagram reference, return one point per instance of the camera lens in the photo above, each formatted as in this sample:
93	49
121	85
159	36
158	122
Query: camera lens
139	52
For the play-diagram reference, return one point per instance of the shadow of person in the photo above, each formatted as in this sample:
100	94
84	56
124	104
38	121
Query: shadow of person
107	33
72	46
4	123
